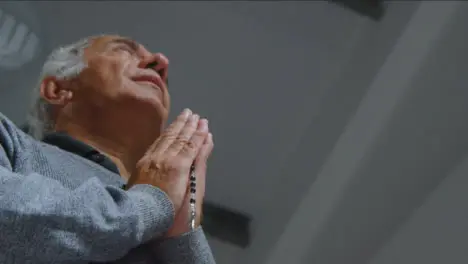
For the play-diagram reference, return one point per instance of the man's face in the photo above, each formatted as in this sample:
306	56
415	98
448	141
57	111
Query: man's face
123	78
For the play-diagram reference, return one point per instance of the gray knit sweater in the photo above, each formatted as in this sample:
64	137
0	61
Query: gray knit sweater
57	207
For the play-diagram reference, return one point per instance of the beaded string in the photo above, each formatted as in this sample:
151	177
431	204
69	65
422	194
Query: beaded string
193	191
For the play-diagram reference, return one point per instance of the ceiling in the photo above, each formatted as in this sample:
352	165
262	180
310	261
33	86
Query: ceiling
407	134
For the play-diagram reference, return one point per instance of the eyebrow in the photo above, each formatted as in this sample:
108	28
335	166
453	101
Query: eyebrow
131	43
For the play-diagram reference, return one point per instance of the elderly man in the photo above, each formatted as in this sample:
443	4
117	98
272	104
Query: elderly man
103	181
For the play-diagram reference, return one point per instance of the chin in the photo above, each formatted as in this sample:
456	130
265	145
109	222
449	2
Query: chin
145	106
154	97
155	110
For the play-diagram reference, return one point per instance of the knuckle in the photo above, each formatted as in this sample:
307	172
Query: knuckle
172	125
169	132
142	164
182	141
180	119
193	147
190	145
155	164
187	149
176	123
201	134
169	135
145	161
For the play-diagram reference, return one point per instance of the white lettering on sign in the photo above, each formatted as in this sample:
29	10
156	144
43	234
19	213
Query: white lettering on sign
18	45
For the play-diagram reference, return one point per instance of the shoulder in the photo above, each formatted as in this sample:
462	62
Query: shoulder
7	127
12	138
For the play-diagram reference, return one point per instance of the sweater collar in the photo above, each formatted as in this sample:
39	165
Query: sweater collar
66	142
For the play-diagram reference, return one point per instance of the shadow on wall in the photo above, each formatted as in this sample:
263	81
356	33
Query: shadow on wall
21	42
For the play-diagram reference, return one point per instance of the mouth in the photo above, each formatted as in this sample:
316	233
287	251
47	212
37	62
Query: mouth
151	80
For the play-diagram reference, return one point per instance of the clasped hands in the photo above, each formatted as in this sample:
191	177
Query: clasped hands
167	162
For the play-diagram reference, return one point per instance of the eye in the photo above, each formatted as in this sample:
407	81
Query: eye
125	48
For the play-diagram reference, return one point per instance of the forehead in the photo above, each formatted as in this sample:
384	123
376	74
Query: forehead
103	42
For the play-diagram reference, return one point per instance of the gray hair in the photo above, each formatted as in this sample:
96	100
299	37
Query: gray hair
63	63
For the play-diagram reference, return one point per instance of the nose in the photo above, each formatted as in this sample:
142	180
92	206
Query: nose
157	62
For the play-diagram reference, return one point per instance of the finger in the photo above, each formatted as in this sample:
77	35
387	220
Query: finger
191	149
205	152
184	137
171	133
201	163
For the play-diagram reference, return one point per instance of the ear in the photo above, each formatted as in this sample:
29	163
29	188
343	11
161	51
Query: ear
55	92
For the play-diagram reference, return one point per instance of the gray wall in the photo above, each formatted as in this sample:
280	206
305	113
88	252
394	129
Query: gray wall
437	232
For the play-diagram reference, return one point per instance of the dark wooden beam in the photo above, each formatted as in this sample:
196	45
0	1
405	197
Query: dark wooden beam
373	9
226	225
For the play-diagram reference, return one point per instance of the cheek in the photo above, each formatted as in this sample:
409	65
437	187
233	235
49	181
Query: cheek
105	75
110	74
167	101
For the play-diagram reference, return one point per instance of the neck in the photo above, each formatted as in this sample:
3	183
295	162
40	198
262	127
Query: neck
123	149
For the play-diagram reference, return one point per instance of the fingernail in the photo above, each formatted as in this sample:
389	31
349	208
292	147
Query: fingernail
204	125
186	112
194	118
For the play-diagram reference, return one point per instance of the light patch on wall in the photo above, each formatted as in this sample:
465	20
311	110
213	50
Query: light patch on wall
18	44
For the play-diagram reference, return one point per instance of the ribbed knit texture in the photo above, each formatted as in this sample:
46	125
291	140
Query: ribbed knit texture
57	207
